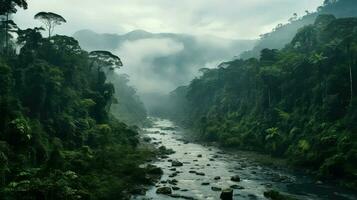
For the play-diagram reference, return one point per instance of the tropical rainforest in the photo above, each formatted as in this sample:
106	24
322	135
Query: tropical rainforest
73	124
57	137
298	102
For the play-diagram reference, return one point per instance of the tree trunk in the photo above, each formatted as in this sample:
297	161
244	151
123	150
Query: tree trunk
351	83
6	33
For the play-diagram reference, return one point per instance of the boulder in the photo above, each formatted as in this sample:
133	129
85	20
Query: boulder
176	163
227	194
200	173
172	182
235	178
175	188
217	178
216	188
164	190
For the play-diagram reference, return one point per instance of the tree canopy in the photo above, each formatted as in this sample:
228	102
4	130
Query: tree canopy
50	20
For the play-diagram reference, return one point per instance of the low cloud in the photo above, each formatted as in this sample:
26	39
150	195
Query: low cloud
139	56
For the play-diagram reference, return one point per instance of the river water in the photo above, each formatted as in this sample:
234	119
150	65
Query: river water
202	165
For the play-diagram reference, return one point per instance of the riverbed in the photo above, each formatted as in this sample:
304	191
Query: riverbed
206	170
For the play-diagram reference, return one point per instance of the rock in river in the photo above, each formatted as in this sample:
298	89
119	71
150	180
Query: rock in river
235	178
216	188
164	190
227	194
176	163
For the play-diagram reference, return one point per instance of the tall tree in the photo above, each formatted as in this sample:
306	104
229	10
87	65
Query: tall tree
8	7
50	20
104	59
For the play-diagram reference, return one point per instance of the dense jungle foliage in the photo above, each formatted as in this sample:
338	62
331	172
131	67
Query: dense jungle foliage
299	102
57	138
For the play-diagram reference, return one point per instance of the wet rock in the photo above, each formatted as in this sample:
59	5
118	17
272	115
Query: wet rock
217	178
176	163
164	190
175	188
216	188
165	151
211	159
237	187
208	165
172	169
163	181
172	182
173	175
199	156
253	196
184	190
205	183
235	178
200	173
192	172
227	194
195	160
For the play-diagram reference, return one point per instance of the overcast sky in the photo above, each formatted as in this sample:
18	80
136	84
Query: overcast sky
223	18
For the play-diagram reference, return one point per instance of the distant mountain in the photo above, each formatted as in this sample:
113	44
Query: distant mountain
157	63
91	40
283	34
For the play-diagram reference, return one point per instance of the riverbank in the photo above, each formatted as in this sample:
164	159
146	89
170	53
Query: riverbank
195	171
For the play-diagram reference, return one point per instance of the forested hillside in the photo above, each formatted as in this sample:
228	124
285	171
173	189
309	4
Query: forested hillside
57	138
283	34
299	102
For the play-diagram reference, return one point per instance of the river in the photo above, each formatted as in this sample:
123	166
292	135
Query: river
206	167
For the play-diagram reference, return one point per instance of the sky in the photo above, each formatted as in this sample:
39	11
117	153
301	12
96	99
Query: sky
231	19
